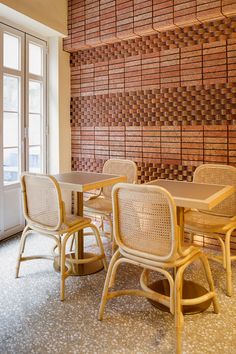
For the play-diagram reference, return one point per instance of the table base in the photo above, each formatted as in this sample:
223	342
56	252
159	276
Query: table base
190	290
80	269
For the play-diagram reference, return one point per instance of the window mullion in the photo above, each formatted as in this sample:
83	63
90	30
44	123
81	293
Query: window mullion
35	78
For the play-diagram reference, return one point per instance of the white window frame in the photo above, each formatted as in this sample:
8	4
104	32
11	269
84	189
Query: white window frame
43	80
16	73
23	116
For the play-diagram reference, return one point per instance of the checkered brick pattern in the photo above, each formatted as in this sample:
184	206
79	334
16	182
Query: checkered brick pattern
179	38
146	171
165	100
86	164
183	147
212	62
153	81
93	22
192	105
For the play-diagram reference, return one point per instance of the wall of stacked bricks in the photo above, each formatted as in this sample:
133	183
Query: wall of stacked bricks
153	81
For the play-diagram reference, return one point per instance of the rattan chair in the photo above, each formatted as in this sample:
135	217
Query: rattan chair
146	231
101	204
44	212
220	222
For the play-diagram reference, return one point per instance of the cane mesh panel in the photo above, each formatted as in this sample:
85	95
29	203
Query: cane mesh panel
42	201
122	168
144	221
197	221
225	175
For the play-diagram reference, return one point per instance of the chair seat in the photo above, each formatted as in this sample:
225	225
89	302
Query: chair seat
189	250
70	221
100	204
205	222
74	220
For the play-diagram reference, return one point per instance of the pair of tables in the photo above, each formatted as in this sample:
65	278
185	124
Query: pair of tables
185	194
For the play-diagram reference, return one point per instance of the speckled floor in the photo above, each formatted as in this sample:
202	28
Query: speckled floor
34	320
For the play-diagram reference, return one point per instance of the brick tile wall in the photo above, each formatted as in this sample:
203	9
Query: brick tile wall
165	100
161	103
185	12
108	21
92	22
210	9
143	17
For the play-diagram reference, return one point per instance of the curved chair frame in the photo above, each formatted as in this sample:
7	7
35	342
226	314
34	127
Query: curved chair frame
177	259
105	193
60	232
216	231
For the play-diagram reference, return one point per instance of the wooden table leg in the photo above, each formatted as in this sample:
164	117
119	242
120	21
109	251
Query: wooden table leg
80	269
87	268
79	239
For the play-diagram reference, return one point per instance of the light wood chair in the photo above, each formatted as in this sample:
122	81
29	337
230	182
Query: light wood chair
101	204
220	222
44	211
146	231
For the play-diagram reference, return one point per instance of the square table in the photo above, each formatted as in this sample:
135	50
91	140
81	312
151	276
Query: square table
81	182
193	195
197	196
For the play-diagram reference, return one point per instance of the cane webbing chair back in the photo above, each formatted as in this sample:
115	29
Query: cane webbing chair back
42	202
126	168
45	214
145	221
219	174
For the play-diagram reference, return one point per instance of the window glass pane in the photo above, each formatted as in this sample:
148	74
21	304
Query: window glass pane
35	59
34	129
11	165
11	51
34	159
34	97
11	93
10	129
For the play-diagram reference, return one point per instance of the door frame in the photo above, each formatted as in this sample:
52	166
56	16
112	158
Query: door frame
23	145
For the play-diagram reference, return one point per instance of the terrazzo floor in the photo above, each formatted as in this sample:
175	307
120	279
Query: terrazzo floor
34	320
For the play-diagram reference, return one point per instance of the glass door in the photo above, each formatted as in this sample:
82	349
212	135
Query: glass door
11	118
22	120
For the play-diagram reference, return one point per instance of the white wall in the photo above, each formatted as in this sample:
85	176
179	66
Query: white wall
59	106
52	13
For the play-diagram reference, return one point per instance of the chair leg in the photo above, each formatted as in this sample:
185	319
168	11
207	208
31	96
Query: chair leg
191	237
114	245
72	242
102	224
207	270
222	244
63	265
100	245
113	275
111	227
106	285
179	318
228	264
21	249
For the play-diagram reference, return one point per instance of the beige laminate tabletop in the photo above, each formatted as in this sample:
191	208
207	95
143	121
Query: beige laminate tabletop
85	181
195	195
